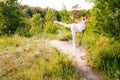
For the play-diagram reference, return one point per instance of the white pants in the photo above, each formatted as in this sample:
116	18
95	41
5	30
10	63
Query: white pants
73	30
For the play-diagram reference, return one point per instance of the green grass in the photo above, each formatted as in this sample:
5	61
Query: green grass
33	59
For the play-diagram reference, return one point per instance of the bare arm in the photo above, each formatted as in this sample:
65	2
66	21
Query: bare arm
77	21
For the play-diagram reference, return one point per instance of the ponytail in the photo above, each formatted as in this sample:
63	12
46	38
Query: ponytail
86	17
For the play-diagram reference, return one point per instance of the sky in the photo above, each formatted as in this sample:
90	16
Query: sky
57	4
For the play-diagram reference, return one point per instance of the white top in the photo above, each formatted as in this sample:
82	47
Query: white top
79	26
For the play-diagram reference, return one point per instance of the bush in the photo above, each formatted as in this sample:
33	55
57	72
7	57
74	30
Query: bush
37	24
23	30
104	56
11	16
50	27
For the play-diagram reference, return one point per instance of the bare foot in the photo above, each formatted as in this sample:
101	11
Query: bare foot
55	21
82	57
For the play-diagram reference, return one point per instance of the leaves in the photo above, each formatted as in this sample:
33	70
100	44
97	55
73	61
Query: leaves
11	16
108	17
36	24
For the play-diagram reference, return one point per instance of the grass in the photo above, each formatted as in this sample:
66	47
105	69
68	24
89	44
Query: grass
64	35
104	56
33	59
45	36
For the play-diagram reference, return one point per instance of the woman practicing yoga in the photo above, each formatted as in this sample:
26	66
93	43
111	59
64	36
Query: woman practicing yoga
75	27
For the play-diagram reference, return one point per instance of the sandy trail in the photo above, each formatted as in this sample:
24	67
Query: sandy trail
76	55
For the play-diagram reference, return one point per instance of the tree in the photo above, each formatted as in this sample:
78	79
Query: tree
49	18
65	15
11	16
75	11
50	15
1	20
107	17
26	12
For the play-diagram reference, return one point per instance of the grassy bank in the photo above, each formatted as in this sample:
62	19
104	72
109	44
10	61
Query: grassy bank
33	59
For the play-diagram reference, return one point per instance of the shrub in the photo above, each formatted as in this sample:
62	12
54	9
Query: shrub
37	24
23	30
50	27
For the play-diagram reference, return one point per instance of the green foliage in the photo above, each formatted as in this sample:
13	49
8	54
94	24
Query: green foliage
45	36
26	12
104	56
11	16
9	42
50	27
39	10
50	17
60	67
1	20
107	17
65	15
75	11
37	24
23	30
23	20
78	14
90	36
64	35
103	50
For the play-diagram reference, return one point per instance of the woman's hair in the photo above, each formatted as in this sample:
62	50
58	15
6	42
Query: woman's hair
86	17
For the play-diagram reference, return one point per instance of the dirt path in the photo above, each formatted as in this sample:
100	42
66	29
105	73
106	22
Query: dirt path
77	55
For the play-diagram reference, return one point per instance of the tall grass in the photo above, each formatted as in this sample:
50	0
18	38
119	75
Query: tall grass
104	56
64	35
6	42
33	59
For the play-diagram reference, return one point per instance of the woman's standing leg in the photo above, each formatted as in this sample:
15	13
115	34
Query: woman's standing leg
73	38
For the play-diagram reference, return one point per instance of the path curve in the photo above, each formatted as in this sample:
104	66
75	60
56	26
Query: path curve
76	55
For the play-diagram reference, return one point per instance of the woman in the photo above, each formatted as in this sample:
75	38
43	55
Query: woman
75	27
